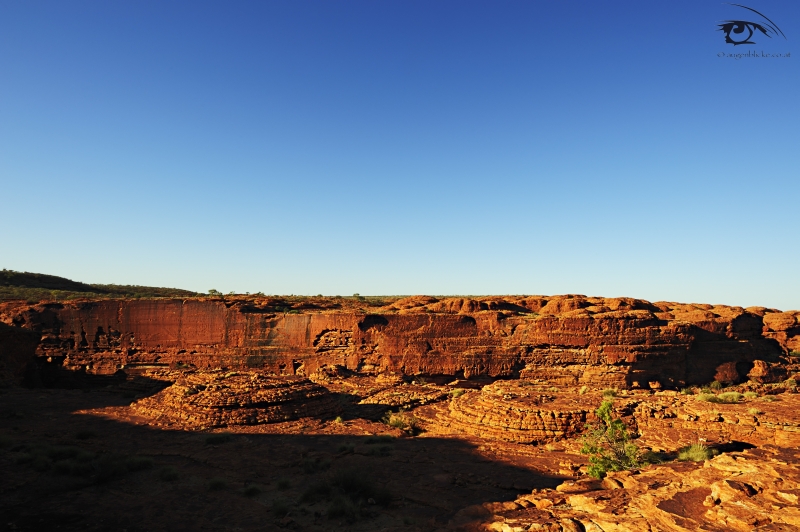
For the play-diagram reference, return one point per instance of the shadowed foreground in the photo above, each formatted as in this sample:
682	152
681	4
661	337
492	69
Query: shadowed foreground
191	481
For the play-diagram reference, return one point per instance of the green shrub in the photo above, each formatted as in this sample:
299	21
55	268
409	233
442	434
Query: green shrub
168	474
687	391
754	411
730	397
458	392
769	398
402	421
790	382
794	353
716	385
708	397
697	452
750	395
339	420
652	457
342	508
608	444
583	390
609	393
279	508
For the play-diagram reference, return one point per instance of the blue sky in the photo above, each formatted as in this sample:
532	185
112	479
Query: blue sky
403	147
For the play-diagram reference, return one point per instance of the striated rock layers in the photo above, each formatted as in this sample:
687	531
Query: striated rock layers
516	411
568	340
218	399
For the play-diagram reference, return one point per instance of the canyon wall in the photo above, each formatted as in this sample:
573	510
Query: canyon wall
621	342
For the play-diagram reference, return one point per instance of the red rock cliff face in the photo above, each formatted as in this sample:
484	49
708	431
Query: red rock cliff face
565	339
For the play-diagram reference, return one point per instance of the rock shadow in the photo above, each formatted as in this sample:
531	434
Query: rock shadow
186	480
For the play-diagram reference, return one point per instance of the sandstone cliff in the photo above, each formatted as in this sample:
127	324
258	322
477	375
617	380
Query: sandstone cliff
570	339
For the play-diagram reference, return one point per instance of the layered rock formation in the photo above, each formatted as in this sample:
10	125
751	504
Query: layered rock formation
520	411
753	490
219	399
572	340
517	411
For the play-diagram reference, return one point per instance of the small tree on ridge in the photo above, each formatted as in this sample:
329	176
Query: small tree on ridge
608	444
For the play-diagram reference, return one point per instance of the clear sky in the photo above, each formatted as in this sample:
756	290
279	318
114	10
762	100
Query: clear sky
403	147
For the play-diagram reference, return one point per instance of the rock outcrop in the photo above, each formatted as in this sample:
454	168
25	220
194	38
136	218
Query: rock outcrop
568	340
201	400
752	490
517	411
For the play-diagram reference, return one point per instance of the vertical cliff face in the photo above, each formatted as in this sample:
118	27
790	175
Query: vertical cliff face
567	339
17	350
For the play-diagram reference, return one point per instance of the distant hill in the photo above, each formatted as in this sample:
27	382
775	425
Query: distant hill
40	286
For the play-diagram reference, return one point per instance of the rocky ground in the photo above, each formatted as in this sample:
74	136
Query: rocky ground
420	413
243	450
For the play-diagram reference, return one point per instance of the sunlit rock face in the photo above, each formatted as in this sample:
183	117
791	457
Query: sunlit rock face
220	399
574	340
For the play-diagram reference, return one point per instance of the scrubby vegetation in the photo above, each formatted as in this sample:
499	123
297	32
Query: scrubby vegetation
35	287
348	448
279	507
697	452
349	494
725	397
730	397
74	461
608	444
402	421
314	465
251	491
